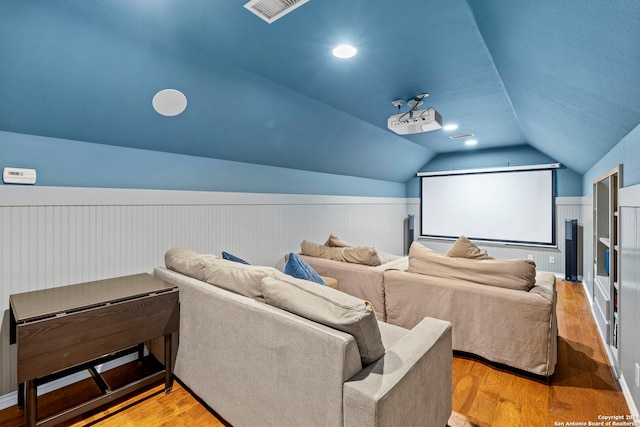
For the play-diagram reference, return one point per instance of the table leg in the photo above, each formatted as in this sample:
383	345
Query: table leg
168	381
21	396
31	404
140	352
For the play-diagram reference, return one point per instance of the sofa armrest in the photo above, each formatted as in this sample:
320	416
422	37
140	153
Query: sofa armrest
409	386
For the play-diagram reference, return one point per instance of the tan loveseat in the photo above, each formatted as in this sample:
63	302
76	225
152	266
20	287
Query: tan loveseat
509	319
362	281
245	353
501	310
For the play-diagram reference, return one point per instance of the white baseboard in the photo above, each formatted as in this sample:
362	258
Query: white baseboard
626	392
8	400
11	399
633	410
586	292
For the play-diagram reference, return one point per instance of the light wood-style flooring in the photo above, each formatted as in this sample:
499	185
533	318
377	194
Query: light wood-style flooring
582	388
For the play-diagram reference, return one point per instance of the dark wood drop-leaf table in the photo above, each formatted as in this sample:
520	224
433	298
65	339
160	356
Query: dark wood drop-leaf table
67	329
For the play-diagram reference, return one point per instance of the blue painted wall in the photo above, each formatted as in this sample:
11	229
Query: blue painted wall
627	153
62	162
568	181
66	163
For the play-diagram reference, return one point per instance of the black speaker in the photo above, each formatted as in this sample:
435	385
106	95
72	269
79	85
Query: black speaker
571	250
408	233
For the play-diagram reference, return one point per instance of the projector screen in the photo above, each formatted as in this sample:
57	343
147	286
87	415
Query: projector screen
512	206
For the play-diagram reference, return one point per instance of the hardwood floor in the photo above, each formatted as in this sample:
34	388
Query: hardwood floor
582	388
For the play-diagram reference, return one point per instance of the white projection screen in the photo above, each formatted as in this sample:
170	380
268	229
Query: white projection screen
513	206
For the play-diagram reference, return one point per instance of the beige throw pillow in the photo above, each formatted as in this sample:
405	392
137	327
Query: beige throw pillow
366	255
510	274
465	248
187	262
336	242
236	277
329	307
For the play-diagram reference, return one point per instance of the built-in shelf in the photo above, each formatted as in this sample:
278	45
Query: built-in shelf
606	290
602	281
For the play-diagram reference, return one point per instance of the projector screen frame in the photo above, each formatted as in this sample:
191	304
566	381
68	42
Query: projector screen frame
551	167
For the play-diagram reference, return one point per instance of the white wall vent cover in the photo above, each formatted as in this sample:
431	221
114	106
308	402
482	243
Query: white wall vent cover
271	10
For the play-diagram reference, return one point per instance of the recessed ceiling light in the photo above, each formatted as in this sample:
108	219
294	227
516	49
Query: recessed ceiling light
450	127
169	102
344	51
471	142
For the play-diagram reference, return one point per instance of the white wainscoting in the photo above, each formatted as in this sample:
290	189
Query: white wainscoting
587	247
51	236
629	202
566	208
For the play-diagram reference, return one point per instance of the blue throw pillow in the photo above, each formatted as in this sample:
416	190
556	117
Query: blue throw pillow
228	256
299	269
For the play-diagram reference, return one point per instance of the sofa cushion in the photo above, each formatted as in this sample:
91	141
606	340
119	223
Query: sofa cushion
511	274
336	242
465	248
298	268
231	257
366	255
236	277
187	262
328	307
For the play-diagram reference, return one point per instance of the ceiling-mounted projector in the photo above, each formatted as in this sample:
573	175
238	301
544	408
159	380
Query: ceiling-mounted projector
415	121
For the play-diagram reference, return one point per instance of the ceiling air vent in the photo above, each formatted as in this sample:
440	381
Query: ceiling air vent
271	10
461	135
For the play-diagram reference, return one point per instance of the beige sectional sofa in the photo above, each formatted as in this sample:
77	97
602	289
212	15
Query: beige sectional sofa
501	310
247	354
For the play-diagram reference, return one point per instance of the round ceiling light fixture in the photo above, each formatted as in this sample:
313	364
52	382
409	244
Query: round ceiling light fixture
169	102
471	142
344	51
450	126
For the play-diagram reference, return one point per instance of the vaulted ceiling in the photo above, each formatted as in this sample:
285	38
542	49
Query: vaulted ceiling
559	75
